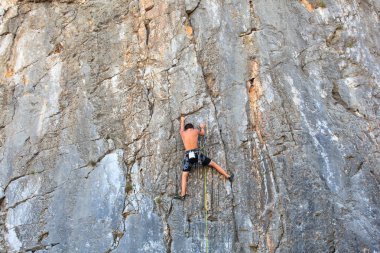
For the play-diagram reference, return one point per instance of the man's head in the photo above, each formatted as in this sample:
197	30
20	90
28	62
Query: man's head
189	125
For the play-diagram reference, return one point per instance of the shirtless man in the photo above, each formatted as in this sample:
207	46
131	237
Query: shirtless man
190	140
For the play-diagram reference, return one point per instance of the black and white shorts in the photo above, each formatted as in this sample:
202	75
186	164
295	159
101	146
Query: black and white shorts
191	159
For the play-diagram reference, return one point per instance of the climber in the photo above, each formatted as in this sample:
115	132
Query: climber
189	137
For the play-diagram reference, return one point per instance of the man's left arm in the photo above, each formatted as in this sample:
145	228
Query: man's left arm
182	127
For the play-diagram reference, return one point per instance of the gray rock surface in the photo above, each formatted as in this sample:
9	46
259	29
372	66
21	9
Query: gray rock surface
90	97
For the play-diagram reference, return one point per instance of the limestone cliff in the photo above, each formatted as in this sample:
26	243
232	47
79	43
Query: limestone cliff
90	97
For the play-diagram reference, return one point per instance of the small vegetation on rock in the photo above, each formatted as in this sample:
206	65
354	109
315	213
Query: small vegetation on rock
351	43
321	4
339	27
128	187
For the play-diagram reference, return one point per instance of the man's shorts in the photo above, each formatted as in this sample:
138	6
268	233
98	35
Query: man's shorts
190	161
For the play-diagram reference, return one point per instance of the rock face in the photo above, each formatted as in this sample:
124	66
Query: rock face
90	97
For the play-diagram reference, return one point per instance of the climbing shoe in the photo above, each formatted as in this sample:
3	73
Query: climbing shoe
179	197
231	178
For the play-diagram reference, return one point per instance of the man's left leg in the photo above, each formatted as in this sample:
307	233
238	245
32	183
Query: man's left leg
185	175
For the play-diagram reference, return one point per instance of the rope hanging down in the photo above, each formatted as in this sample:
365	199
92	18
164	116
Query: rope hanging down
203	150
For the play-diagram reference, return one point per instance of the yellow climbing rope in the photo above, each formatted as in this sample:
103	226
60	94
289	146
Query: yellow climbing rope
203	144
205	196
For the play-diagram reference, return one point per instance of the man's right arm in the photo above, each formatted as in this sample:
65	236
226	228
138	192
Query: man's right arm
202	132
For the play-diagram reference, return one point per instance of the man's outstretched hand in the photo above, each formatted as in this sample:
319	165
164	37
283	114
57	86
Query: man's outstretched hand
182	123
202	125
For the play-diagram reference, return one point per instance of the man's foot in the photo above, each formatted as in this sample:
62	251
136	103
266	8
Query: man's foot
231	178
177	196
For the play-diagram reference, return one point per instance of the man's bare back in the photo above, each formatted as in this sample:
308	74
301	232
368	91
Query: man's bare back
190	135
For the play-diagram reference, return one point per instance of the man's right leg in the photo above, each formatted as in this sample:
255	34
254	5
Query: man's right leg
218	168
185	175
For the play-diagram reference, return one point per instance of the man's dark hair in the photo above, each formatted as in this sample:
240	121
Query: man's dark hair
189	125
